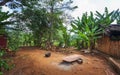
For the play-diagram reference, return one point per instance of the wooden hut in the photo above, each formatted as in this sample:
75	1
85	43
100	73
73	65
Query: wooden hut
110	42
3	41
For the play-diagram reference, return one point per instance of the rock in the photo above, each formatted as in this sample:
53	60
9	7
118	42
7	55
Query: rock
48	54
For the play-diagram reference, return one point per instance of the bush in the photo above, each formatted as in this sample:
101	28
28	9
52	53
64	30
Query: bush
4	62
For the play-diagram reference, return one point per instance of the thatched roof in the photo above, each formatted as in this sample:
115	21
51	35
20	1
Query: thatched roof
114	27
113	31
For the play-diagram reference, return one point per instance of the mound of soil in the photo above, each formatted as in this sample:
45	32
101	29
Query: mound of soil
32	62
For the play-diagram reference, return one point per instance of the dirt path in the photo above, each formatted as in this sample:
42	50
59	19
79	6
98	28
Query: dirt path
33	62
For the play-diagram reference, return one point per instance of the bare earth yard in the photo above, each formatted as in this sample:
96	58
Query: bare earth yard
32	62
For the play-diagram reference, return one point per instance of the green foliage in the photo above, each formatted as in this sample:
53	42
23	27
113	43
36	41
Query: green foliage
64	37
117	15
3	21
1	73
41	24
38	24
4	27
3	62
106	18
43	20
86	30
56	9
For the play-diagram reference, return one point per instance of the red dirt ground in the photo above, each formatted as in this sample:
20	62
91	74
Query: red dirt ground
31	61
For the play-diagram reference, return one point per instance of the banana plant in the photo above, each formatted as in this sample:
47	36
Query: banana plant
117	14
87	29
106	18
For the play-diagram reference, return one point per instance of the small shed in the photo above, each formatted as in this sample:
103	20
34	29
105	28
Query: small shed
3	41
110	41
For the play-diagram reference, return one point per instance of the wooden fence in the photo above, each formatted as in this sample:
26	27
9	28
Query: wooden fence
109	47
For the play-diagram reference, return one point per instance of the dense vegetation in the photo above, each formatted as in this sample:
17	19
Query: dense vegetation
89	28
46	24
4	25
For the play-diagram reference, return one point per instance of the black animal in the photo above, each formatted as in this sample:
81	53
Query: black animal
80	61
48	54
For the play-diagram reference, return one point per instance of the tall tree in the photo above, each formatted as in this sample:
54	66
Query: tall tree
44	18
4	22
11	3
56	9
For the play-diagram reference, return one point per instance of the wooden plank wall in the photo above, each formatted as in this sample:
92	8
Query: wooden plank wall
109	47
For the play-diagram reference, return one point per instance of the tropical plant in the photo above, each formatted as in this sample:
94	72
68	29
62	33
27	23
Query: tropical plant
4	62
117	14
86	31
89	28
106	18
